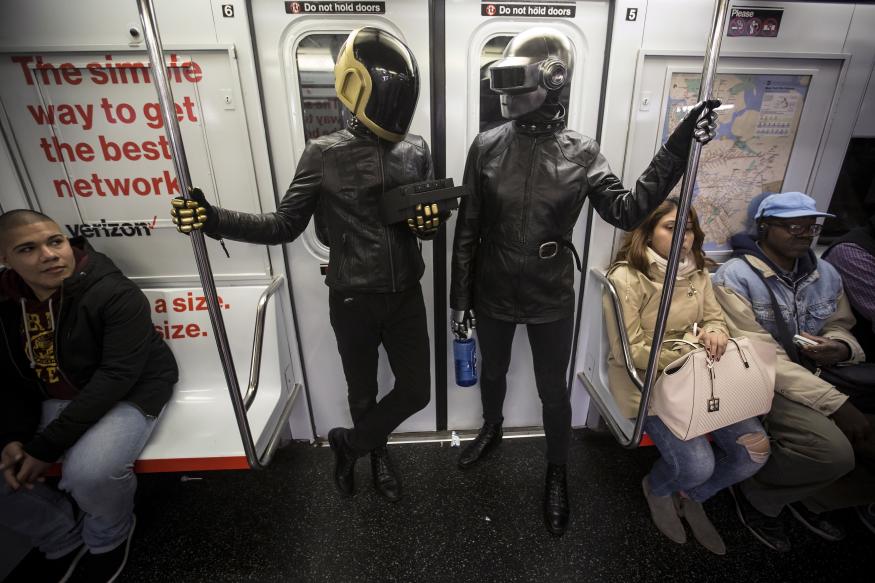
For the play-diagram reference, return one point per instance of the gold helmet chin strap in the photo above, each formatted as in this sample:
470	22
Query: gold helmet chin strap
352	82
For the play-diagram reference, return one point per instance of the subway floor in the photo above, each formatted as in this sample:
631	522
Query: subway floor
287	523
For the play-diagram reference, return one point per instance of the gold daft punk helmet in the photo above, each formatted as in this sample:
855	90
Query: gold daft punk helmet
377	79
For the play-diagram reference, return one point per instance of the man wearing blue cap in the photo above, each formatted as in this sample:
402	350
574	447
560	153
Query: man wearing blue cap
814	428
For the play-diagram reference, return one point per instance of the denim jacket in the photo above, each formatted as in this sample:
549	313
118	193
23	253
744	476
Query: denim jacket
814	302
805	304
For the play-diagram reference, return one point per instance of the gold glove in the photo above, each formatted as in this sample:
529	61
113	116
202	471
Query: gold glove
190	214
426	220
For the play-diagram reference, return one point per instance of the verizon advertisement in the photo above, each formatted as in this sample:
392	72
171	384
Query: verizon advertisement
90	138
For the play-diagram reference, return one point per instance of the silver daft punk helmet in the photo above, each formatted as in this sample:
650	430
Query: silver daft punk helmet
535	64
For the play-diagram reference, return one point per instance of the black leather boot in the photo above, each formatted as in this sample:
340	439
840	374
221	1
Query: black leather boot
556	500
344	460
386	481
488	438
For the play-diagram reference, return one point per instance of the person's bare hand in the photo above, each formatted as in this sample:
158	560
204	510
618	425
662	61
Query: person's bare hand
10	459
826	352
714	342
32	470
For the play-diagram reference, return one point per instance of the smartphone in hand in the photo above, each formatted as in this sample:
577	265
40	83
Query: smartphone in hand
802	341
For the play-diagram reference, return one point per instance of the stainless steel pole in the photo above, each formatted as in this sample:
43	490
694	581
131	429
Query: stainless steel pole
686	199
180	163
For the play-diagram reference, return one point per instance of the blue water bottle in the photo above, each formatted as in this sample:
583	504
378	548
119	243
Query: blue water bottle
465	354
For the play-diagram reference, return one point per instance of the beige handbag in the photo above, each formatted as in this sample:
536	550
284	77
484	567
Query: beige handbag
696	395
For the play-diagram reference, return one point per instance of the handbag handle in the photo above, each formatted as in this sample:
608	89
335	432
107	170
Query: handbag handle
697	346
740	353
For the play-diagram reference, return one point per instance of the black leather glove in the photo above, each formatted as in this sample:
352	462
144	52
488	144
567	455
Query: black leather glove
190	214
462	323
699	123
427	220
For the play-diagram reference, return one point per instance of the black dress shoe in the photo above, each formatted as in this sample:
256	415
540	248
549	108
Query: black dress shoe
819	524
488	438
767	530
344	461
386	481
556	500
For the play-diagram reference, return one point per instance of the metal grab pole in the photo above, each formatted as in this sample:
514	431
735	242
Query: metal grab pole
180	163
686	199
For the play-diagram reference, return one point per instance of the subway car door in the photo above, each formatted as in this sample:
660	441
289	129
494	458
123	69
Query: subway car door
476	35
297	43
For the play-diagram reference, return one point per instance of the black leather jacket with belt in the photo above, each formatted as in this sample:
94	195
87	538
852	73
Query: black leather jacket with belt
349	171
528	186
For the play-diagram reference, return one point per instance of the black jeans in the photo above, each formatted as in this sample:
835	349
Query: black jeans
361	323
551	349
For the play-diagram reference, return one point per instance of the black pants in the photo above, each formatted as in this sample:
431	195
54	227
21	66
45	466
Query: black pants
361	323
551	349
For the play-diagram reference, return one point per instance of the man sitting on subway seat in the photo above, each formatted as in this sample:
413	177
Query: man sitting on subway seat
817	433
85	376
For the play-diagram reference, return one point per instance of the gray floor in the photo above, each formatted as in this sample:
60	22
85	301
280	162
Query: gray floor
288	524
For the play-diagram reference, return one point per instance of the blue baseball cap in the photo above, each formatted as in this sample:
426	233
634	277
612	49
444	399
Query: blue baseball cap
788	205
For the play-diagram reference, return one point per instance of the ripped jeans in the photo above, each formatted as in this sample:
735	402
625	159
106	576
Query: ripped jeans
97	473
697	468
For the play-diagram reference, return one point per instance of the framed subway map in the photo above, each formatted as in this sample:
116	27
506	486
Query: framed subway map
757	126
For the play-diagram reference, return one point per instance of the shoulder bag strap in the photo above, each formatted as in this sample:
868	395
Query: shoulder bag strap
786	339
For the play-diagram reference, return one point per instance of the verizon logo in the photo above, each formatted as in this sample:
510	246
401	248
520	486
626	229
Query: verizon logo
107	229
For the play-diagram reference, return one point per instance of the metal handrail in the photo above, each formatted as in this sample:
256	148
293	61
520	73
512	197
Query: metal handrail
621	327
258	340
270	448
180	164
604	401
708	71
686	200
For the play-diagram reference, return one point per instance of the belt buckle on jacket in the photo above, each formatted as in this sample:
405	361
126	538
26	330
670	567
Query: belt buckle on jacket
548	250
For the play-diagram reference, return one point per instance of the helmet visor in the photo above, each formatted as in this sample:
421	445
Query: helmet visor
394	80
393	100
511	78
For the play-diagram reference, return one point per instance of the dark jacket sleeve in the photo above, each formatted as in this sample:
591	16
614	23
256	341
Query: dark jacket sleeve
289	220
467	237
625	208
126	342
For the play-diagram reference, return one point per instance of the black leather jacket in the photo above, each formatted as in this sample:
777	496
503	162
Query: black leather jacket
527	188
349	171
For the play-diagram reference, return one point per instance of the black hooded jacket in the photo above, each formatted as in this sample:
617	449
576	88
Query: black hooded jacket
527	188
106	347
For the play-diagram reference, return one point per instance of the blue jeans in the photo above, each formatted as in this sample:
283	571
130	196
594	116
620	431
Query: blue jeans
695	467
97	473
